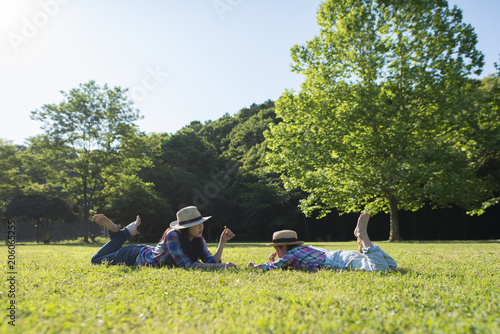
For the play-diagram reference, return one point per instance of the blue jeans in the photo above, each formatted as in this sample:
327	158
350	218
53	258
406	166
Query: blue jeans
114	253
372	259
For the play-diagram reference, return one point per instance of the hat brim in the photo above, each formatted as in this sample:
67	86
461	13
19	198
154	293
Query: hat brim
286	243
177	226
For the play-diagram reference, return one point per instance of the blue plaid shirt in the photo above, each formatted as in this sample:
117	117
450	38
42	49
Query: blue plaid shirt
300	257
173	253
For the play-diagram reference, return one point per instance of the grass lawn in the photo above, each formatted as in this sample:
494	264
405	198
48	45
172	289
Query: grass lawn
445	287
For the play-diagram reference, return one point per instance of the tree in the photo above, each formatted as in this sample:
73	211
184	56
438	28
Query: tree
484	143
86	129
379	119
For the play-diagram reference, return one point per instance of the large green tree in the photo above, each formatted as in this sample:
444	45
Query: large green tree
83	133
377	122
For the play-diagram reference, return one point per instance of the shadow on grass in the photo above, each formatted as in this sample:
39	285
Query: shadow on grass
253	244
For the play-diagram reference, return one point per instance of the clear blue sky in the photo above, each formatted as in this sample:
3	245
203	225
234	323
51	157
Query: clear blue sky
182	60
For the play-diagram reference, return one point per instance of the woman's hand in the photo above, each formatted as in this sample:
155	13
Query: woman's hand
272	257
226	235
229	265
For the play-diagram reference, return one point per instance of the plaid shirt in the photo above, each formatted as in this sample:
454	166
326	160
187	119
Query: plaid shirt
173	253
299	257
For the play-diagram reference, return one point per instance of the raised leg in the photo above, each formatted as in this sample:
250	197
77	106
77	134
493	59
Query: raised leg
132	227
361	230
112	251
102	220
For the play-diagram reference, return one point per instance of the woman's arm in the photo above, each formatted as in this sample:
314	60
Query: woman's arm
226	235
215	265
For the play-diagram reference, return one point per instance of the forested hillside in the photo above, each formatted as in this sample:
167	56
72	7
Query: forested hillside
220	166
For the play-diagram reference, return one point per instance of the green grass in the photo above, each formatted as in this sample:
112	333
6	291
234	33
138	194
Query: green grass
448	287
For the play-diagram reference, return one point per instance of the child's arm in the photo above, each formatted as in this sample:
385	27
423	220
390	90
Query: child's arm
271	257
283	262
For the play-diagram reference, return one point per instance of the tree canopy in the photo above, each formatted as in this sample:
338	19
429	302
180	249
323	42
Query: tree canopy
84	134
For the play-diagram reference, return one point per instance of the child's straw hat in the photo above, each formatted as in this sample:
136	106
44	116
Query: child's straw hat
285	237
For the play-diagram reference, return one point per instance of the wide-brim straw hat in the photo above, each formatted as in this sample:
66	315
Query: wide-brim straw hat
187	217
285	237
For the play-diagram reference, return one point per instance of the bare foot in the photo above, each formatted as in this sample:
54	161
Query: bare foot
132	227
362	226
360	246
361	231
102	220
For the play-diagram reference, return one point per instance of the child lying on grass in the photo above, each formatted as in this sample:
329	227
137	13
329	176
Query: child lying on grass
292	255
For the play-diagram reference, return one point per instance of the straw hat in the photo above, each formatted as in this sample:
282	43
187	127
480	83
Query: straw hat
285	237
187	217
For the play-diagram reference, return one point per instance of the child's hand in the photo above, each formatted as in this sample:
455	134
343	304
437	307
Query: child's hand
251	264
226	235
272	257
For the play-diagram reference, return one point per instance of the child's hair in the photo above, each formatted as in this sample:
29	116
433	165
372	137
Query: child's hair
289	247
193	249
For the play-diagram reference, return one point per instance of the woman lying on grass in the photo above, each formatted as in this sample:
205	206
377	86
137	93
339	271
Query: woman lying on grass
182	245
291	255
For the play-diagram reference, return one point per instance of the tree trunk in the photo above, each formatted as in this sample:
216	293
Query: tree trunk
93	230
36	230
393	207
48	225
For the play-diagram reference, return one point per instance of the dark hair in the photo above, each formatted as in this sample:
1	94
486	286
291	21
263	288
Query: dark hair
288	247
193	249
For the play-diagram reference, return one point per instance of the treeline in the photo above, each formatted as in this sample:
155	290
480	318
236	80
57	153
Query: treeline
94	159
219	166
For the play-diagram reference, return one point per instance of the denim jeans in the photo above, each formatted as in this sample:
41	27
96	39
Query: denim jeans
114	253
372	259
